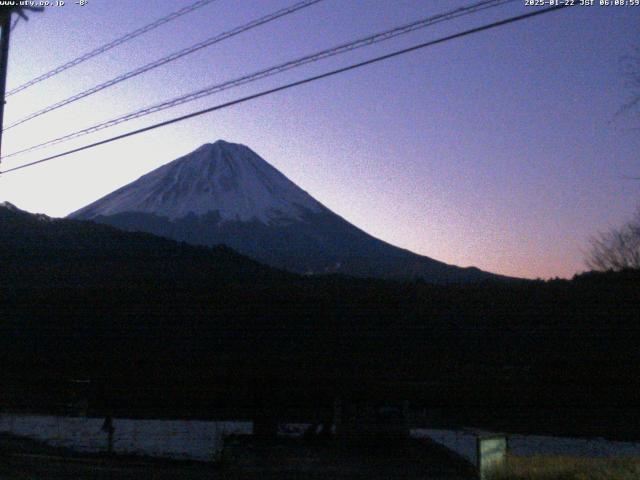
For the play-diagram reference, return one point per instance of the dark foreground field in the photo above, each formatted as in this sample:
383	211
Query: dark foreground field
243	458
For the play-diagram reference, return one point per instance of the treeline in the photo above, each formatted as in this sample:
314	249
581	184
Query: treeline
160	326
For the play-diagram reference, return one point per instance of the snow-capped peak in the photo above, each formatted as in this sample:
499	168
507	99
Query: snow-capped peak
225	177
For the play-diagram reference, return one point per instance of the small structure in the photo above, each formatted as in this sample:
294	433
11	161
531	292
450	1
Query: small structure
492	454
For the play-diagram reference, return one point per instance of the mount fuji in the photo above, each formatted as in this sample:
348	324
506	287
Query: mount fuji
224	193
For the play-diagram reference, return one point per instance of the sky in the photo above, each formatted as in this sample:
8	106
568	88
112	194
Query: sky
504	150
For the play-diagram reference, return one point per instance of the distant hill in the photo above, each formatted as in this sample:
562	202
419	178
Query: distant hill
36	238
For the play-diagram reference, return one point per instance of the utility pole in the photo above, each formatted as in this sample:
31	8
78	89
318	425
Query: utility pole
5	25
4	60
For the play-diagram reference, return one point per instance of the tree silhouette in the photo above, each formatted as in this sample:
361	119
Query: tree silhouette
617	249
631	74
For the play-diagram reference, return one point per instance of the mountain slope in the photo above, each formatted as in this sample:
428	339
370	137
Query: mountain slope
224	193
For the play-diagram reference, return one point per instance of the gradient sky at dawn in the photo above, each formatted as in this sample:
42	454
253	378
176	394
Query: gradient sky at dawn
501	150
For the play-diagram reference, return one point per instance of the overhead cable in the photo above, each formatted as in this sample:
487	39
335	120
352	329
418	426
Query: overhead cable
330	52
292	84
110	45
169	58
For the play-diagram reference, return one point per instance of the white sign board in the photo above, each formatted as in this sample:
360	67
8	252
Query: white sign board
492	453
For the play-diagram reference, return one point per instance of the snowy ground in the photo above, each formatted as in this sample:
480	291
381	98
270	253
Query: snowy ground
178	439
202	440
463	442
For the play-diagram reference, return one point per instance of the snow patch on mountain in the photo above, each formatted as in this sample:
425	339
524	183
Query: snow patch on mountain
224	177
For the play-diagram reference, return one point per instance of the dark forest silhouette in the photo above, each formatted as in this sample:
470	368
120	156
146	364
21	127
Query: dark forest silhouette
161	328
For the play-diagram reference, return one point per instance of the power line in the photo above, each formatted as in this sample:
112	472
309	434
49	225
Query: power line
330	52
295	84
112	44
169	58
